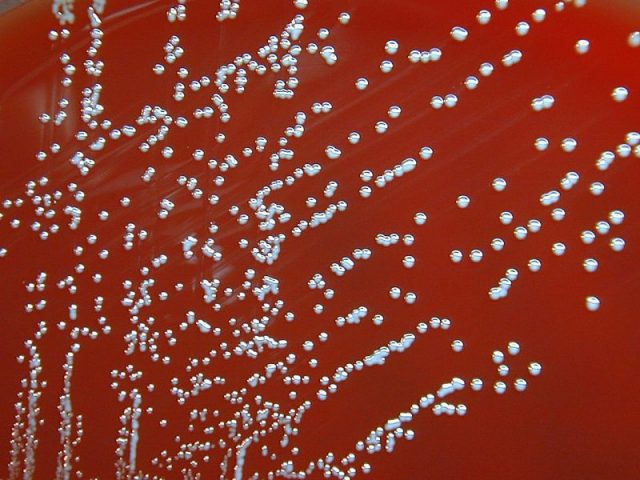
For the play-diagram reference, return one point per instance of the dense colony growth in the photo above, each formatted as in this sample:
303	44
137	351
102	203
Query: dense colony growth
259	239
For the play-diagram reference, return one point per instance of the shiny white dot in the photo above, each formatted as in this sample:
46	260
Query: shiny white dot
541	144
499	184
456	256
587	237
420	218
520	233
617	244
535	369
522	28
486	69
497	244
483	17
520	384
534	225
437	102
408	261
476	255
459	34
506	218
463	201
623	150
497	356
582	46
471	82
426	153
362	83
381	127
603	227
558	214
410	298
538	15
616	217
596	189
386	66
391	47
534	265
620	94
558	249
632	138
394	111
592	303
450	100
332	152
590	265
569	144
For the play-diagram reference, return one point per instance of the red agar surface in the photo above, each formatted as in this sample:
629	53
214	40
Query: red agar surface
225	256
